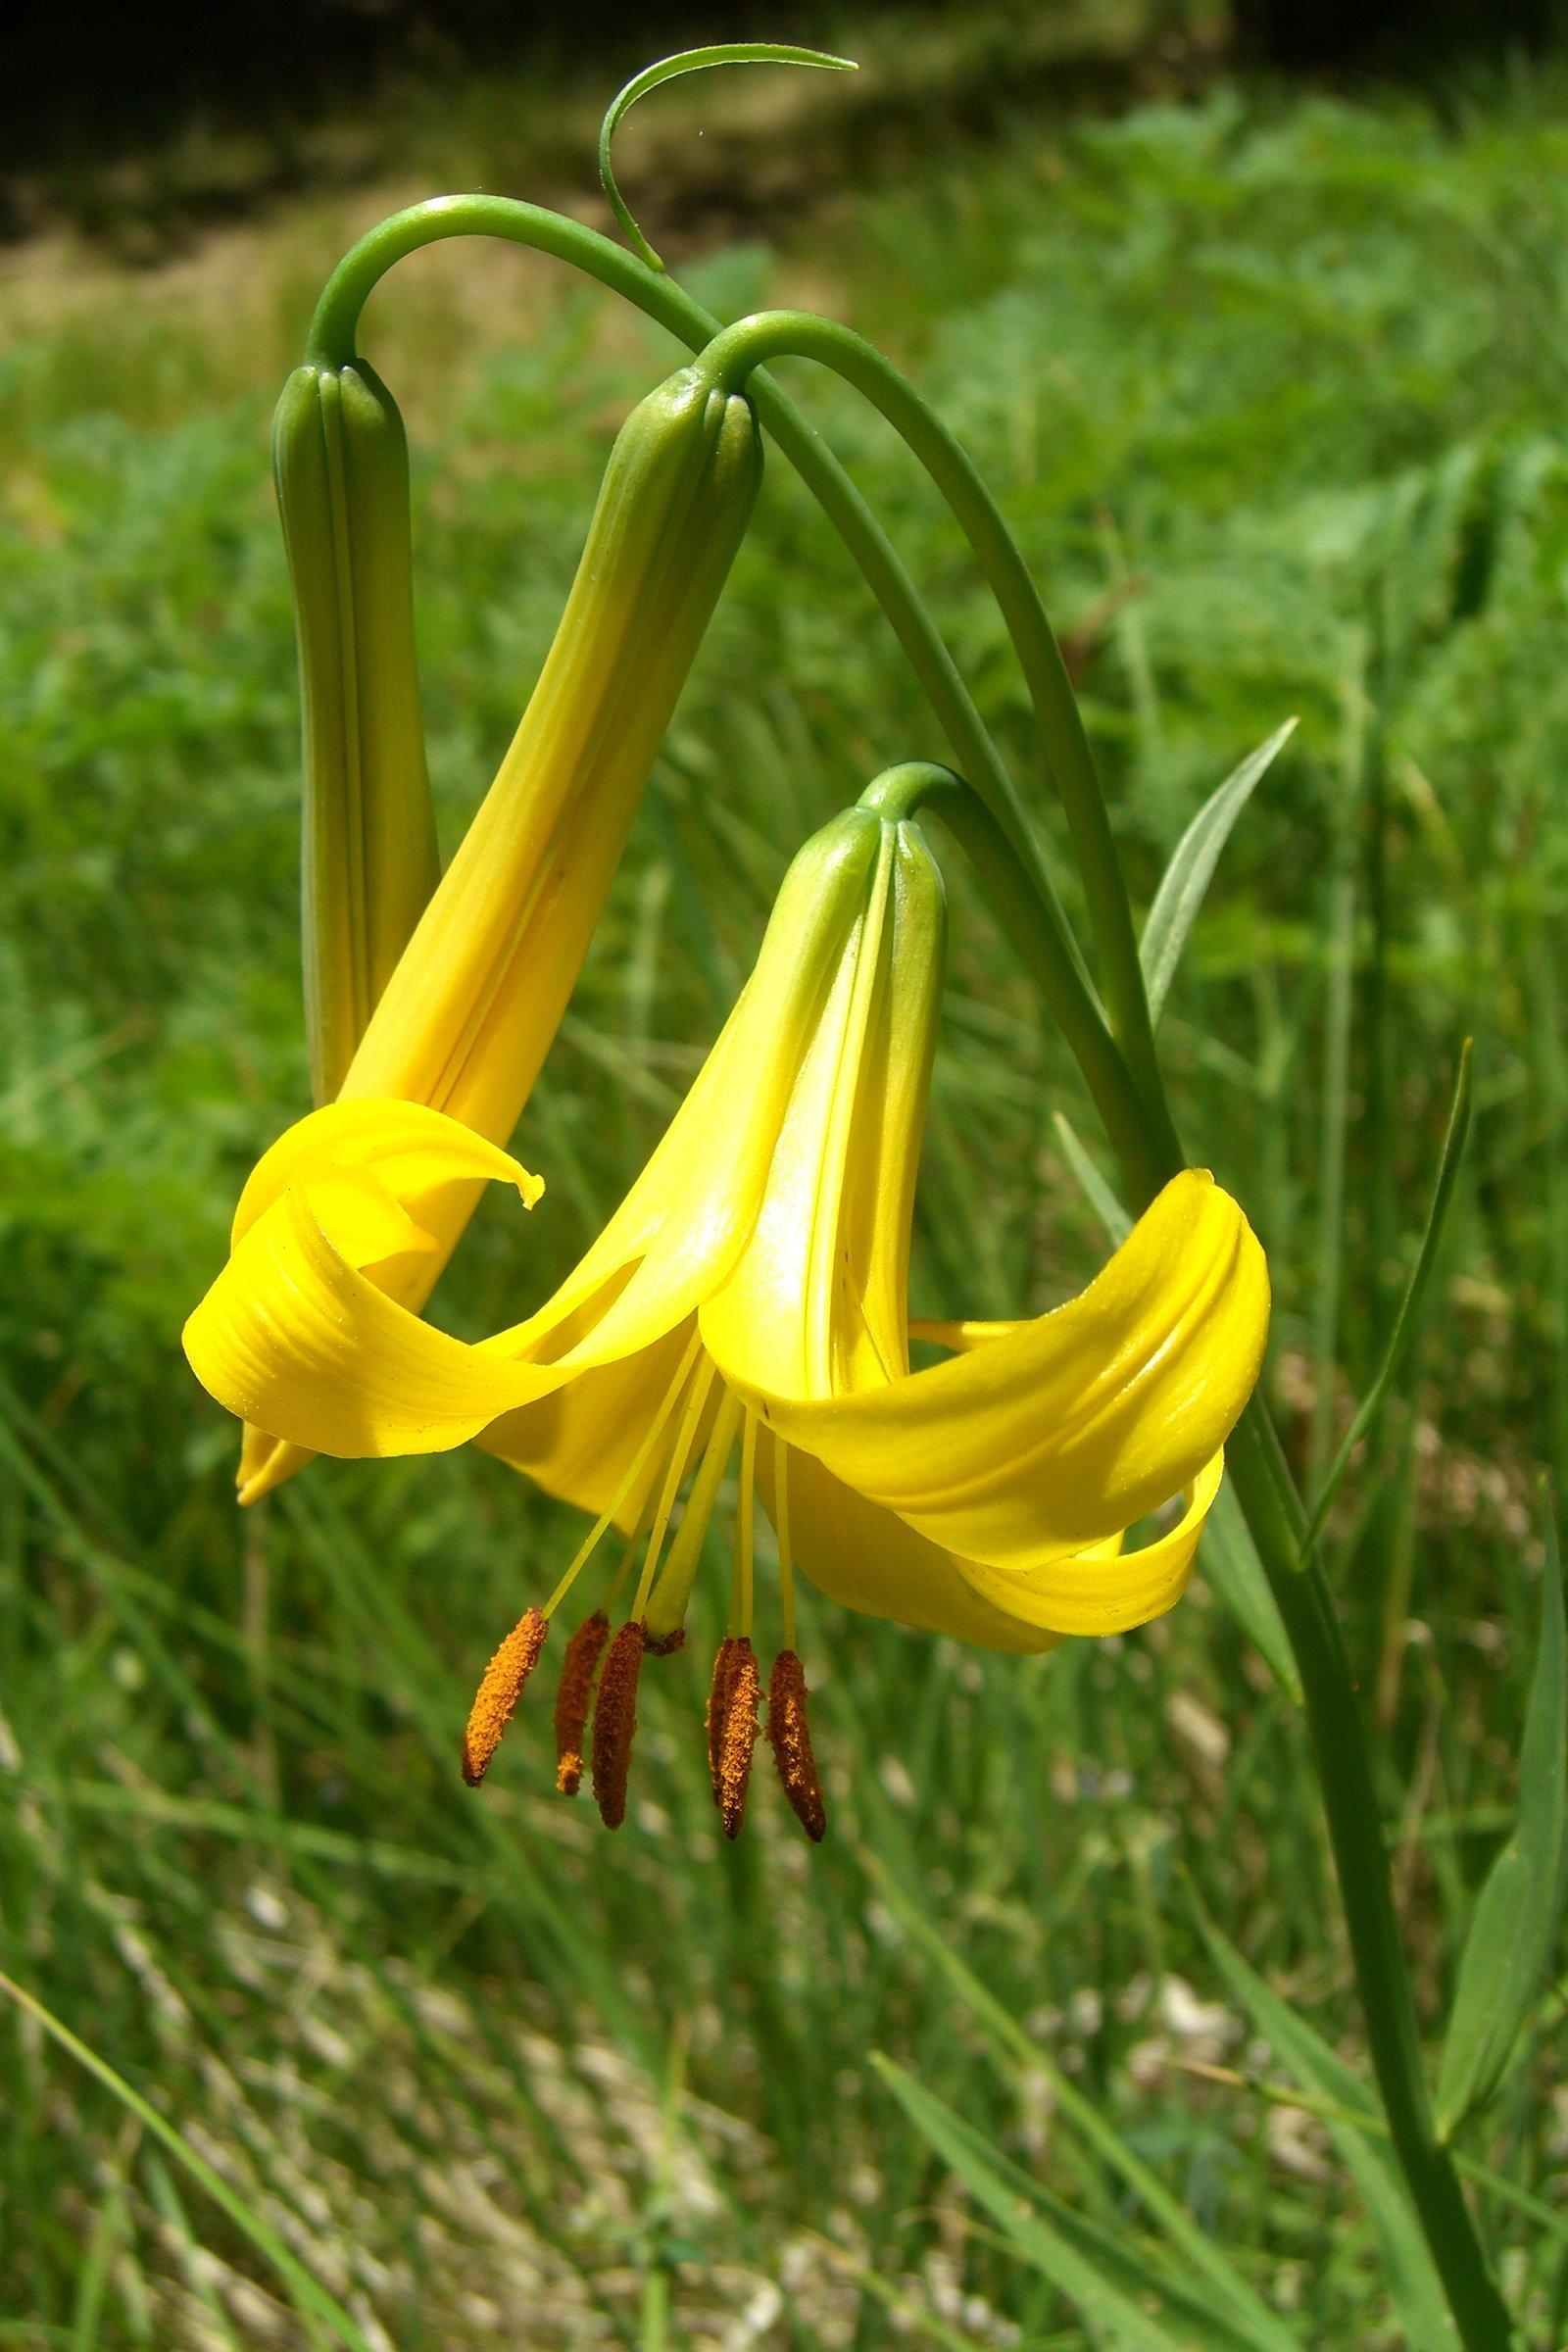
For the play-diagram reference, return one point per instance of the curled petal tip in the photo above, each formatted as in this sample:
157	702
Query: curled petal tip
265	1463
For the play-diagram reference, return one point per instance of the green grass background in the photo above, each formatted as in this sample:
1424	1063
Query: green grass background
1271	384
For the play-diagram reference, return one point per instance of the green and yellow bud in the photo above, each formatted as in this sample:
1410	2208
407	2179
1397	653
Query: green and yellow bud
369	862
470	1014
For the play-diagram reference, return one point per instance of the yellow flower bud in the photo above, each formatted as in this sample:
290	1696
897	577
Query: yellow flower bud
470	1014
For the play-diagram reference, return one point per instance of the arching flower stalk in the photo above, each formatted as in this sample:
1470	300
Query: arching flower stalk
747	1306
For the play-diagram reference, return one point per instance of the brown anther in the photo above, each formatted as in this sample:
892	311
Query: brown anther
665	1645
616	1721
500	1688
718	1706
732	1705
573	1696
789	1738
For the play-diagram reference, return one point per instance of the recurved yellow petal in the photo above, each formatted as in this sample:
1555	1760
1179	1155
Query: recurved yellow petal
864	1558
1103	1589
382	1174
408	1150
265	1463
294	1338
299	1340
1062	1431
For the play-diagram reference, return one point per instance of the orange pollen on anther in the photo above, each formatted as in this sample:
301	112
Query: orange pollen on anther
500	1688
789	1738
616	1721
717	1703
732	1706
572	1697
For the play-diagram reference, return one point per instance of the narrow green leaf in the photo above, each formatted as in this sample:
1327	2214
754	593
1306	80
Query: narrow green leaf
1414	2287
1407	1322
1333	1129
1104	2275
1230	2297
1188	877
1514	1927
198	2281
1227	1557
669	69
311	2299
108	2230
1097	1192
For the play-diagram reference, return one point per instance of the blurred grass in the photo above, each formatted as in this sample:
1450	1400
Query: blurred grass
1272	387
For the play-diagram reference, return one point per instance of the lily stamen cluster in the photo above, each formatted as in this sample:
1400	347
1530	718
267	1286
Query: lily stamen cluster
599	1674
604	1687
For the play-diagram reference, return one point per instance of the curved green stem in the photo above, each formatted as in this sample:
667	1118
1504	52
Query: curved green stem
670	69
1344	1761
800	334
1054	955
904	790
912	785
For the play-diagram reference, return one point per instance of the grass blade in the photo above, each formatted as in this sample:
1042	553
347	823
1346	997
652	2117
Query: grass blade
1407	1322
109	2229
1228	1559
165	2197
1186	878
1414	2287
1328	1278
1104	2276
311	2299
1192	2244
1514	1929
1095	1191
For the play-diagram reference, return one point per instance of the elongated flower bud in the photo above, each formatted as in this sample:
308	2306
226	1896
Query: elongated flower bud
473	1007
369	862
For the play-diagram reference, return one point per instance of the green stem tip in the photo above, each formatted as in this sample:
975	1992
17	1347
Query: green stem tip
669	69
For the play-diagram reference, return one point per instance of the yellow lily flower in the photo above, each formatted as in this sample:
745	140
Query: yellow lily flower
468	1014
751	1291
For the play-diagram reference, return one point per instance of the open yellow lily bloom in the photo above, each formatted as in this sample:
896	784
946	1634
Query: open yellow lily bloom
750	1289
